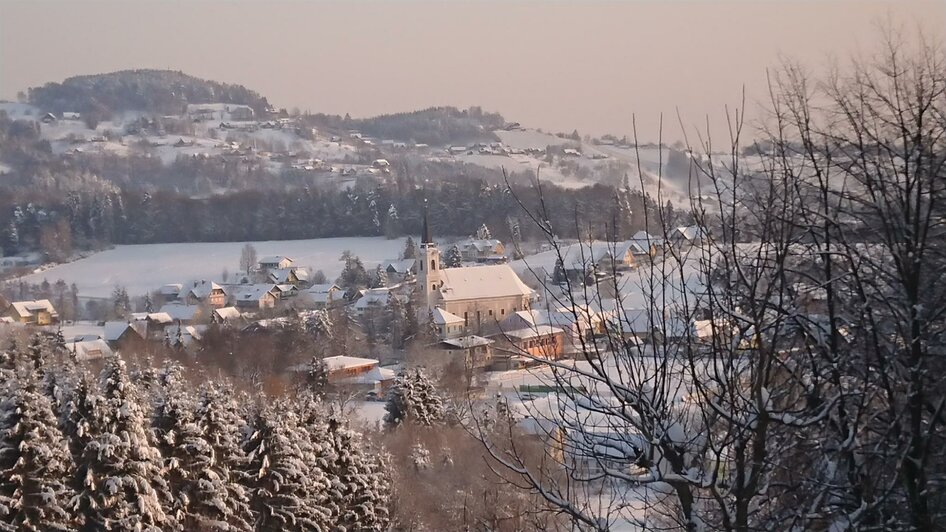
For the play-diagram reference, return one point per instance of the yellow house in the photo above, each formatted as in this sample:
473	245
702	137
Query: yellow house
39	312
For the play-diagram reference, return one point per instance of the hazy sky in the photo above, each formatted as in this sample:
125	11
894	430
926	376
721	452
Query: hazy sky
555	65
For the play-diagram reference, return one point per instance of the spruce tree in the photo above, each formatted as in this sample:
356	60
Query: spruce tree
286	490
453	258
120	475
35	463
361	487
410	249
414	399
216	494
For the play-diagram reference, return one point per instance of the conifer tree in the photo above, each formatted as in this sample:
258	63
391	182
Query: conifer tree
453	258
216	494
414	399
286	491
361	488
35	463
410	249
120	474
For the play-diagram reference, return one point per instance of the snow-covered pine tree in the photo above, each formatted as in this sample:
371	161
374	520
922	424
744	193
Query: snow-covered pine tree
218	497
82	413
483	233
122	484
410	249
453	258
413	398
361	486
284	491
316	378
173	410
35	463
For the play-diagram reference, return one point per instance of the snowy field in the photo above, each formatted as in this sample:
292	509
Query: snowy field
143	268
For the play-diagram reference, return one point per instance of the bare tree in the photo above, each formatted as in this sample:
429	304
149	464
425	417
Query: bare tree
247	258
780	363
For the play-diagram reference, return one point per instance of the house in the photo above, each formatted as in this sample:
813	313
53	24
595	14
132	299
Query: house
207	292
689	235
577	326
381	164
171	292
457	150
295	276
255	296
89	349
482	250
571	152
48	118
642	325
39	312
647	243
225	315
285	291
340	367
449	325
399	270
177	312
122	334
475	352
323	295
521	347
184	336
374	299
71	115
274	262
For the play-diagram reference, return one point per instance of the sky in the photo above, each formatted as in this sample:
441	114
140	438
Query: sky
583	65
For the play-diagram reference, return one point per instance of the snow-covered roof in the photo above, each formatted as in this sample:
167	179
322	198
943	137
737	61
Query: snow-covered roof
160	317
442	317
89	349
400	266
375	375
341	362
324	288
203	289
227	313
26	308
466	342
274	259
115	329
373	297
171	289
532	332
179	312
253	292
281	275
482	282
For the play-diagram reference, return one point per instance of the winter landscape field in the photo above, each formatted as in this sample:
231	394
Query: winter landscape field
144	268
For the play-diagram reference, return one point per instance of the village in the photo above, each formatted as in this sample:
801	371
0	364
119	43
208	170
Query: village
467	309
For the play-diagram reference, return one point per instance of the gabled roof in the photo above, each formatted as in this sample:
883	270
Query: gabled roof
282	275
254	292
274	259
227	313
178	312
89	349
401	266
114	330
323	288
482	282
442	317
27	308
203	289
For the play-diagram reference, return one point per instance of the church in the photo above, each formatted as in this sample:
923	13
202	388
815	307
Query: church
481	295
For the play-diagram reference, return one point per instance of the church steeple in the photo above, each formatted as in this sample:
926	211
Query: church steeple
425	236
428	271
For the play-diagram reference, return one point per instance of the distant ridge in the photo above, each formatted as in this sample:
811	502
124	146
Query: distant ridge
156	91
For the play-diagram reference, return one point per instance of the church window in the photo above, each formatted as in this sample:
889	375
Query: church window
502	312
433	287
433	265
491	312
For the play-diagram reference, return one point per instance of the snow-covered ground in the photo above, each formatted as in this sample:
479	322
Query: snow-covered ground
143	268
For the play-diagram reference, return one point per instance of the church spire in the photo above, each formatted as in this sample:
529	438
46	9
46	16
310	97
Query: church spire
425	236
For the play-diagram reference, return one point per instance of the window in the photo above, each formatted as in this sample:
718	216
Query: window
433	264
433	287
502	312
491	312
421	266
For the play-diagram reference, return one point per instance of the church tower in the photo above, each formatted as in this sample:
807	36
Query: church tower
428	271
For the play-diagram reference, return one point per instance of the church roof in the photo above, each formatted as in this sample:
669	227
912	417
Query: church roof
481	282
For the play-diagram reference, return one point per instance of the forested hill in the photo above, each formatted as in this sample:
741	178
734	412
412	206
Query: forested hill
156	91
435	125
